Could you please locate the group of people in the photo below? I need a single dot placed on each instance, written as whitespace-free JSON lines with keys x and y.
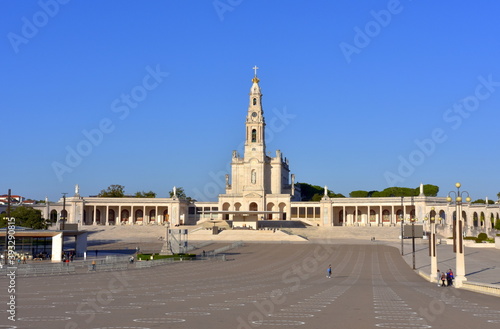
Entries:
{"x":446,"y":278}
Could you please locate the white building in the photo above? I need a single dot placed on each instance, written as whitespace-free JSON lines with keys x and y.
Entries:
{"x":261,"y":187}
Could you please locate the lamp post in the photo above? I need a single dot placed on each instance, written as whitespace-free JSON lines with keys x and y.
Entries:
{"x":6,"y":252}
{"x":458,"y":240}
{"x":401,"y":219}
{"x":63,"y":212}
{"x":412,"y":219}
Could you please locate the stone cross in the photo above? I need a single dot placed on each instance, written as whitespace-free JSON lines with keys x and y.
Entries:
{"x":255,"y":68}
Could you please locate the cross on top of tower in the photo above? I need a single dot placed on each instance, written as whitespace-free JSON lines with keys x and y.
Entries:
{"x":255,"y":79}
{"x":255,"y":68}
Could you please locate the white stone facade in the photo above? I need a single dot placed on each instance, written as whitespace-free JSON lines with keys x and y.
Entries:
{"x":261,"y":187}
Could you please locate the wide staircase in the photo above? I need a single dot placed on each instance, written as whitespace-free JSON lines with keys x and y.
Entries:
{"x":366,"y":233}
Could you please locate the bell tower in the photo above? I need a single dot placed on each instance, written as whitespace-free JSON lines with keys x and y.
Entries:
{"x":255,"y":145}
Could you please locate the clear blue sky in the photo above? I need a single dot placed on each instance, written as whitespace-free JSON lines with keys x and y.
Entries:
{"x":350,"y":87}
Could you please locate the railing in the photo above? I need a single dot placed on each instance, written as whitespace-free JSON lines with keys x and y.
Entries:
{"x":226,"y":248}
{"x":50,"y":269}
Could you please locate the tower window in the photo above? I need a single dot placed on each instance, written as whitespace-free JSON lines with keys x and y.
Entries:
{"x":255,"y":101}
{"x":254,"y":135}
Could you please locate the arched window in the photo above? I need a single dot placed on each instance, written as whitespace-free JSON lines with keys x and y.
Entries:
{"x":386,"y":216}
{"x":138,"y":215}
{"x":254,"y":135}
{"x":255,"y":101}
{"x":111,"y":216}
{"x":125,"y":215}
{"x":53,"y":216}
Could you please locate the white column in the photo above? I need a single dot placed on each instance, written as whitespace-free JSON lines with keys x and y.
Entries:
{"x":459,"y":243}
{"x":433,"y":251}
{"x":345,"y":216}
{"x":380,"y":217}
{"x":95,"y":216}
{"x":368,"y":219}
{"x":393,"y":219}
{"x":106,"y":219}
{"x":57,"y":246}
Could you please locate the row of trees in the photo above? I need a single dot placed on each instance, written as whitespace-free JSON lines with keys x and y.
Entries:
{"x":315,"y":193}
{"x":118,"y":191}
{"x":429,"y":190}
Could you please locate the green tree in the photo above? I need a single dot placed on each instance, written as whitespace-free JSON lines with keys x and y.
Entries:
{"x":498,"y":195}
{"x":315,"y":193}
{"x":317,"y":197}
{"x":181,"y":194}
{"x":26,"y":217}
{"x":395,"y":192}
{"x":430,"y":190}
{"x":358,"y":194}
{"x":143,"y":194}
{"x":113,"y":191}
{"x":482,"y":201}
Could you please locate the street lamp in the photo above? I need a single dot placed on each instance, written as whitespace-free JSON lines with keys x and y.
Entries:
{"x":458,"y":241}
{"x":412,"y":219}
{"x":6,"y":252}
{"x":63,"y":212}
{"x":401,"y":219}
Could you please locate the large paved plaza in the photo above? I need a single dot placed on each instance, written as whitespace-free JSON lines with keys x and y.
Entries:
{"x":259,"y":286}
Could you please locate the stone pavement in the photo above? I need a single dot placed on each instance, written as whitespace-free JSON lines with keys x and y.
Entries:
{"x":482,"y":264}
{"x":263,"y":286}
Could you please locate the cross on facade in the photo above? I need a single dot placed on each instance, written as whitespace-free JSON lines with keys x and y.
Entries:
{"x":255,"y":68}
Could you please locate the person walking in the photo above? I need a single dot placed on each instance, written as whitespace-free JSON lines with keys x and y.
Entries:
{"x":449,"y":277}
{"x":443,"y":279}
{"x":329,"y":271}
{"x":438,"y":277}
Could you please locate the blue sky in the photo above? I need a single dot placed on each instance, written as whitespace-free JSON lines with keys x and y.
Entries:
{"x":153,"y":94}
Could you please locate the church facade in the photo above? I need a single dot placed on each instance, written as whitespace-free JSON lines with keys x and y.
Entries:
{"x":261,"y":187}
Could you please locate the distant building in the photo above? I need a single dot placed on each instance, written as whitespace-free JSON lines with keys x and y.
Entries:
{"x":14,"y":199}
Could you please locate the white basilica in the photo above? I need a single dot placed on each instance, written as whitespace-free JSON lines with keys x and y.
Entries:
{"x":261,"y":188}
